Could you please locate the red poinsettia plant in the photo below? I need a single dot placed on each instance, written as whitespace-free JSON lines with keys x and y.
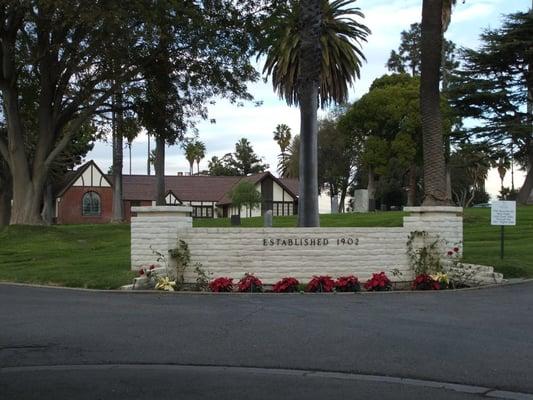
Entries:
{"x":250,"y":283}
{"x":378,"y":283}
{"x":146,"y":271}
{"x":221,"y":285}
{"x":347,"y":284}
{"x":425,"y":282}
{"x":321,"y":284}
{"x":286,"y":285}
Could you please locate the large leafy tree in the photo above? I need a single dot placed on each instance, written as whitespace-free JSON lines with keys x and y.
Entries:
{"x":63,"y":50}
{"x":385,"y":125}
{"x":56,"y":49}
{"x":493,"y":87}
{"x":307,"y":31}
{"x":435,"y":19}
{"x":337,"y":160}
{"x":469,"y":164}
{"x":244,"y":160}
{"x":407,"y":59}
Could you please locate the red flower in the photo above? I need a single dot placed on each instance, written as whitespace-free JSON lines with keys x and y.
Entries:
{"x":347,"y":284}
{"x":286,"y":285}
{"x":450,"y":253}
{"x":321,"y":284}
{"x":456,"y":249}
{"x":141,"y":272}
{"x":221,"y":285}
{"x":378,"y":282}
{"x":250,"y":283}
{"x":425,"y":282}
{"x":152,"y":267}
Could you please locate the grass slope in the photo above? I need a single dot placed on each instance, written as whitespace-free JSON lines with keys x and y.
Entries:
{"x":97,"y":256}
{"x":89,"y":256}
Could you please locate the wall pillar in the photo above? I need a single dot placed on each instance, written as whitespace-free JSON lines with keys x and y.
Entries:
{"x":445,"y":223}
{"x":156,"y":228}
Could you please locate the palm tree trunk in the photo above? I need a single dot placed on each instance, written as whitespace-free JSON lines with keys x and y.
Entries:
{"x":148,"y":156}
{"x":159,"y":167}
{"x":434,"y":166}
{"x":308,"y":84}
{"x":118,"y":158}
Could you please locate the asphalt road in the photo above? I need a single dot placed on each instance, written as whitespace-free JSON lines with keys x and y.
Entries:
{"x":65,"y":344}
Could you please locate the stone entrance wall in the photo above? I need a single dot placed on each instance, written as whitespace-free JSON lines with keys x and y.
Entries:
{"x":274,"y":253}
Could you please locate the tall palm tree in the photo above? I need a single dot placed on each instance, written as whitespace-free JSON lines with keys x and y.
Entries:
{"x":307,"y":31}
{"x":435,"y":19}
{"x":190,"y":155}
{"x":288,"y":167}
{"x":199,"y":154}
{"x":282,"y":135}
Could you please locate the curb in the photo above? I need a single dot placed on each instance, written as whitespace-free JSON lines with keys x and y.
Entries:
{"x":159,"y":292}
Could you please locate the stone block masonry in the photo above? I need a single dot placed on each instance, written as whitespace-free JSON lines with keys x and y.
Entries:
{"x":274,"y":253}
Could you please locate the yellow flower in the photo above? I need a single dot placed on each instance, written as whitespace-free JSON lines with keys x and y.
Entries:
{"x":165,"y":283}
{"x":440,"y":277}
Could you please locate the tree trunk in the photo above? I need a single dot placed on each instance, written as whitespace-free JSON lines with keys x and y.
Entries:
{"x":411,"y":192}
{"x":6,"y":190}
{"x":371,"y":188}
{"x":118,"y":158}
{"x":525,"y":193}
{"x":434,"y":165}
{"x":27,"y":202}
{"x":308,"y":84}
{"x":342,"y":200}
{"x":160,"y":170}
{"x":148,"y":158}
{"x":47,"y":213}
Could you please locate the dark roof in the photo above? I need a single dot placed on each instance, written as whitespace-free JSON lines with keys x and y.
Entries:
{"x":186,"y":188}
{"x":291,"y":184}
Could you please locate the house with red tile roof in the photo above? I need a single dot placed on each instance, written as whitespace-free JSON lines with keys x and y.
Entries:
{"x":86,"y":195}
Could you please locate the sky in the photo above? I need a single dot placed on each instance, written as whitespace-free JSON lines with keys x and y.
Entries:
{"x":386,"y":19}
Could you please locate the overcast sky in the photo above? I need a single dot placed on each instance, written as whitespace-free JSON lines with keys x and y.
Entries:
{"x":386,"y":19}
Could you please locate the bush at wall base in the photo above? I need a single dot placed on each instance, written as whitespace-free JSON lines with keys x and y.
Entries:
{"x":221,"y":284}
{"x":378,"y":283}
{"x":425,"y":282}
{"x":250,"y":283}
{"x":347,"y":284}
{"x":321,"y":284}
{"x":286,"y":285}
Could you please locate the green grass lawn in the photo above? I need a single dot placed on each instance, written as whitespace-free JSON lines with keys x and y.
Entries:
{"x":91,"y":256}
{"x":97,"y":256}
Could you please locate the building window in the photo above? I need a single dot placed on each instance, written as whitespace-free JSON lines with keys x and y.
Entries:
{"x":202,"y":212}
{"x":279,"y":208}
{"x":91,"y":205}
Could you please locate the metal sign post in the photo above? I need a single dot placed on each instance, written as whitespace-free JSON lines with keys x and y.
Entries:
{"x":503,"y":213}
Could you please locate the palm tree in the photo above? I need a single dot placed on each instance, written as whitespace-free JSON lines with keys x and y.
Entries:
{"x":199,"y":154}
{"x":282,"y":135}
{"x":190,"y":155}
{"x":435,"y":20}
{"x":307,"y":31}
{"x":288,"y":166}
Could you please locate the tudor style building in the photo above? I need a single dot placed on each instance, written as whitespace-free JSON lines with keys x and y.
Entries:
{"x":86,"y":195}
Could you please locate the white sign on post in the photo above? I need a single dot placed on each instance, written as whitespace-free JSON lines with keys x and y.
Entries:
{"x":503,"y":213}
